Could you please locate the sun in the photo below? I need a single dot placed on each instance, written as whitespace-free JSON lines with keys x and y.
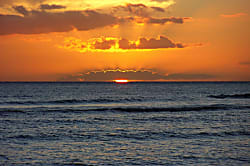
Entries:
{"x":121,"y":81}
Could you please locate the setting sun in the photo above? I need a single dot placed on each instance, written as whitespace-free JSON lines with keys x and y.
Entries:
{"x":121,"y":81}
{"x":115,"y":77}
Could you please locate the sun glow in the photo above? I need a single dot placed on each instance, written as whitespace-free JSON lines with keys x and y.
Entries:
{"x":121,"y":81}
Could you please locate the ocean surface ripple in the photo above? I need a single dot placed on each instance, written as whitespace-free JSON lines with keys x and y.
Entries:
{"x":130,"y":124}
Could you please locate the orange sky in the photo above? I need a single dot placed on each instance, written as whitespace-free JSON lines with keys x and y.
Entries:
{"x":147,"y":40}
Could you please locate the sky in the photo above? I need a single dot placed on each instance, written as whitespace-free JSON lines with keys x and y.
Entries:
{"x":138,"y":40}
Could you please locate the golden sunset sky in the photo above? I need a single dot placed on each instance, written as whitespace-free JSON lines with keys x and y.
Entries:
{"x":145,"y":40}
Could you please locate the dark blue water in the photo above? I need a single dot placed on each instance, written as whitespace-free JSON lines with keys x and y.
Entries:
{"x":125,"y":124}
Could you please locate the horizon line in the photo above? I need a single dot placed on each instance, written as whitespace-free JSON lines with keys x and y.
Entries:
{"x":186,"y":81}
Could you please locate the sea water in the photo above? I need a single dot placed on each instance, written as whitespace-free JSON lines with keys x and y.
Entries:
{"x":175,"y":123}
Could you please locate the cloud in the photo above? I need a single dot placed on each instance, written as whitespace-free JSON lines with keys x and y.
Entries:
{"x":85,"y":4}
{"x":151,"y":43}
{"x":106,"y":44}
{"x":136,"y":9}
{"x":152,"y":20}
{"x":247,"y":63}
{"x":39,"y":20}
{"x":177,"y":20}
{"x":110,"y":75}
{"x":139,"y":10}
{"x":120,"y":44}
{"x":159,"y":9}
{"x":125,"y":44}
{"x":136,"y":75}
{"x":35,"y":22}
{"x":74,"y":44}
{"x":21,"y":10}
{"x":50,"y":7}
{"x":13,"y":2}
{"x":233,"y":15}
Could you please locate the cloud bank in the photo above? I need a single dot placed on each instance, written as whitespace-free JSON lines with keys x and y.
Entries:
{"x":120,"y":44}
{"x":44,"y":19}
{"x":134,"y":75}
{"x":35,"y":22}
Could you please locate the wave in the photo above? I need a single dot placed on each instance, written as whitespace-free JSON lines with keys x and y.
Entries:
{"x":35,"y":137}
{"x":163,"y":134}
{"x":214,"y":107}
{"x":234,"y":96}
{"x":73,"y":101}
{"x":16,"y":96}
{"x":139,"y":135}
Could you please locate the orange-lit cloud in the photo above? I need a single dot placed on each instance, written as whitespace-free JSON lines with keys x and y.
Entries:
{"x":152,"y":43}
{"x":103,"y":45}
{"x":12,"y":2}
{"x":45,"y":39}
{"x":233,"y":15}
{"x":163,"y":42}
{"x":80,"y":5}
{"x":120,"y":44}
{"x":133,"y":75}
{"x":74,"y":44}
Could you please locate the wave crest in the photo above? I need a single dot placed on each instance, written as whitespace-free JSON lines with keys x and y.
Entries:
{"x":74,"y":101}
{"x":234,"y":96}
{"x":215,"y":107}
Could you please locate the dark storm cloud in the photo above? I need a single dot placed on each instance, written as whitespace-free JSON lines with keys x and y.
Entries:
{"x":35,"y":22}
{"x":145,"y":75}
{"x":151,"y":43}
{"x":51,"y":7}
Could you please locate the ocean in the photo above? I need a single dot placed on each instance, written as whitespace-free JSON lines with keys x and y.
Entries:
{"x":150,"y":123}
